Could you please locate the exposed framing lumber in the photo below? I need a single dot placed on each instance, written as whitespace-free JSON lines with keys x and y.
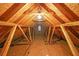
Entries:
{"x":8,"y":42}
{"x":22,"y":10}
{"x":59,"y":19}
{"x":4,"y":9}
{"x":53,"y":31}
{"x":2,"y":23}
{"x":30,"y":34}
{"x":69,"y":14}
{"x":66,"y":11}
{"x":14,"y":17}
{"x":66,"y":24}
{"x":48,"y":36}
{"x":11,"y":11}
{"x":76,"y":23}
{"x":47,"y":19}
{"x":24,"y":14}
{"x":23,"y":33}
{"x":74,"y":38}
{"x":51,"y":12}
{"x":69,"y":41}
{"x":24,"y":26}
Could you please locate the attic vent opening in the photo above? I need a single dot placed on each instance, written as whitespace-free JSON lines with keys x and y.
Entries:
{"x":39,"y":17}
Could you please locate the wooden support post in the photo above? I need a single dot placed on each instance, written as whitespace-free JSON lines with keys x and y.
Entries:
{"x":48,"y":37}
{"x":30,"y":34}
{"x":23,"y":33}
{"x":52,"y":35}
{"x":69,"y":41}
{"x":8,"y":42}
{"x":33,"y":34}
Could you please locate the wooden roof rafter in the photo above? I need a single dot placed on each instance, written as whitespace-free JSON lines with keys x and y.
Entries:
{"x":60,"y":20}
{"x":9,"y":22}
{"x":66,"y":11}
{"x":69,"y":14}
{"x":69,"y":41}
{"x":51,"y":12}
{"x":11,"y":11}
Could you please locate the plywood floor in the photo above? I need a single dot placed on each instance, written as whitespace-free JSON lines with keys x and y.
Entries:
{"x":39,"y":48}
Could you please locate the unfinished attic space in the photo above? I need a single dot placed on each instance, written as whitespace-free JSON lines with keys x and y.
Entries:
{"x":39,"y":29}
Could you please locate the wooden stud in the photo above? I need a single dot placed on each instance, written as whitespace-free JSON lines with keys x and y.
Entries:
{"x":8,"y":42}
{"x":30,"y":34}
{"x":69,"y":41}
{"x":52,"y":35}
{"x":23,"y":33}
{"x":48,"y":37}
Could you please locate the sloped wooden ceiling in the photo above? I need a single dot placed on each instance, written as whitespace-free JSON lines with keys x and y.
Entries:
{"x":54,"y":13}
{"x":73,"y":7}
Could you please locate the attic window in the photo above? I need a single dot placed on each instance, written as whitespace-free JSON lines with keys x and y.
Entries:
{"x":39,"y":28}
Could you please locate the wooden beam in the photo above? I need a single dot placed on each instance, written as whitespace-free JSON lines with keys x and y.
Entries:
{"x":47,"y":19}
{"x":16,"y":16}
{"x":69,"y":41}
{"x":74,"y":38}
{"x":23,"y":33}
{"x":73,"y":30}
{"x":8,"y":42}
{"x":17,"y":24}
{"x":6,"y":32}
{"x":30,"y":34}
{"x":48,"y":37}
{"x":53,"y":31}
{"x":75,"y":23}
{"x":11,"y":11}
{"x":66,"y":11}
{"x":25,"y":14}
{"x":4,"y":8}
{"x":51,"y":12}
{"x":2,"y":23}
{"x":47,"y":8}
{"x":58,"y":18}
{"x":69,"y":14}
